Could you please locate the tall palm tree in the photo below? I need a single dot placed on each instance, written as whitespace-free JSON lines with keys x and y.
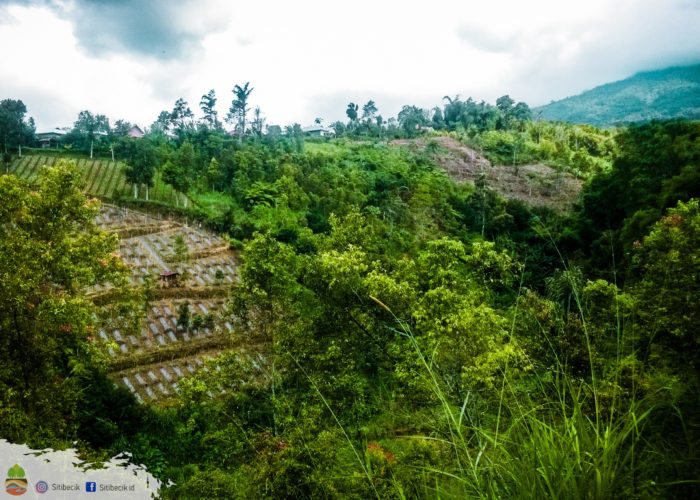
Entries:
{"x":239,"y":106}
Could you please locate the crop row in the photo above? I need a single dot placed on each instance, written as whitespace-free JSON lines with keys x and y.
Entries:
{"x":160,"y":381}
{"x":101,"y":177}
{"x":114,"y":218}
{"x":163,"y":327}
{"x":195,"y":240}
{"x":169,"y":330}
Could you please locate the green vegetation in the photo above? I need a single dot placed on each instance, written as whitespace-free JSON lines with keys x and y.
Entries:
{"x":580,"y":149}
{"x":413,"y":357}
{"x":97,"y":175}
{"x":101,"y":177}
{"x":662,"y":94}
{"x":395,"y":334}
{"x":53,"y":387}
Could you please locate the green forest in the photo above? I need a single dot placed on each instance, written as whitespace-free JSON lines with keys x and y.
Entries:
{"x":660,"y":94}
{"x":425,"y":335}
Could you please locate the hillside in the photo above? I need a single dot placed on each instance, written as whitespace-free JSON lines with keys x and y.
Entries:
{"x":534,"y":184}
{"x":150,"y":362}
{"x":667,"y":93}
{"x":380,"y":322}
{"x":102,"y":177}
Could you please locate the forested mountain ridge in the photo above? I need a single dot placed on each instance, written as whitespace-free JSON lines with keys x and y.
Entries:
{"x":667,"y":93}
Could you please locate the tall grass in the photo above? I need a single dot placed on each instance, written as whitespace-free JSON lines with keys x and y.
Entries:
{"x":553,"y":442}
{"x":554,"y":436}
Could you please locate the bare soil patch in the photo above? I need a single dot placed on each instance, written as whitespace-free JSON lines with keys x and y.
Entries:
{"x":535,"y":184}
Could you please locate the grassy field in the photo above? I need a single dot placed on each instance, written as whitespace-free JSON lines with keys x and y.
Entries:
{"x":327,"y":148}
{"x":213,"y":204}
{"x":102,"y":177}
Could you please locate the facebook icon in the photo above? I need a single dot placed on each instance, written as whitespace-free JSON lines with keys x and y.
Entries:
{"x":91,"y":487}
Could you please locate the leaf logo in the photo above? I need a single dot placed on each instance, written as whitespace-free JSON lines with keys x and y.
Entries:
{"x":16,"y":482}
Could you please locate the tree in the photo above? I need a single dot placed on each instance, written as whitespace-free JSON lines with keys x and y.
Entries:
{"x":162,"y":123}
{"x":274,"y":131}
{"x":184,"y":316}
{"x":668,"y":263}
{"x":351,"y":111}
{"x":453,"y":111}
{"x":171,"y":175}
{"x":179,"y":169}
{"x":521,"y":112}
{"x":207,"y":104}
{"x":505,"y":104}
{"x":339,"y":128}
{"x":368,"y":111}
{"x":268,"y":280}
{"x":52,"y":252}
{"x":258,"y":122}
{"x":181,"y":117}
{"x":619,"y":206}
{"x":119,"y":131}
{"x":239,"y":107}
{"x":141,"y":159}
{"x":438,"y":120}
{"x":296,"y":134}
{"x":411,"y":118}
{"x":15,"y":132}
{"x":121,"y":128}
{"x":89,"y":128}
{"x":213,"y":172}
{"x":182,"y":257}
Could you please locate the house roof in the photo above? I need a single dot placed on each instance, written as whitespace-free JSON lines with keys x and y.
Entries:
{"x":318,"y":128}
{"x":168,"y":274}
{"x":136,"y":131}
{"x":53,"y":131}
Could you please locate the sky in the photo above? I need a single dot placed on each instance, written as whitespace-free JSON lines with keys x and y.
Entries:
{"x":132,"y":59}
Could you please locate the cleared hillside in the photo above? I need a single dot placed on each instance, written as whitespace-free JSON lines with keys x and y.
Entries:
{"x":535,"y":184}
{"x":667,"y":93}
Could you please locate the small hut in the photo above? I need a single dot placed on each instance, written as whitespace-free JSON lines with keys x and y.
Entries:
{"x":169,"y":278}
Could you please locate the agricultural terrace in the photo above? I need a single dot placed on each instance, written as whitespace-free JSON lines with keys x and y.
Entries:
{"x":102,"y":177}
{"x":184,"y":323}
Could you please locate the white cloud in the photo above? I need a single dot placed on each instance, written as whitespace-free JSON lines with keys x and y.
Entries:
{"x":311,"y":58}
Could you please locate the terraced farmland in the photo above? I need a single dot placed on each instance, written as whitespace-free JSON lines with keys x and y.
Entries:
{"x":103,"y":178}
{"x":152,"y":361}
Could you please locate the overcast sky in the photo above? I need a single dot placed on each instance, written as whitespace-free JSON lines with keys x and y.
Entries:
{"x":132,"y":59}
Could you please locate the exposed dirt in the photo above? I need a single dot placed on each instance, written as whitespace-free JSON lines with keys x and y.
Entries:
{"x":536,"y":184}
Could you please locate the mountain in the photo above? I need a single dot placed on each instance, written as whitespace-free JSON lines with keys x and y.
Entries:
{"x":666,"y":93}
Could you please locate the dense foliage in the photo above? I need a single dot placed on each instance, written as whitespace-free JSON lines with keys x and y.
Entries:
{"x":429,"y":363}
{"x":53,"y":388}
{"x":424,"y":338}
{"x":15,"y":130}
